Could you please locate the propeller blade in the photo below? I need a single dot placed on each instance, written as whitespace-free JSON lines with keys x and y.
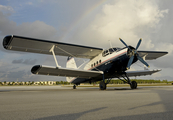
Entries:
{"x":141,"y":59}
{"x":139,"y":43}
{"x":125,"y":44}
{"x":130,"y":62}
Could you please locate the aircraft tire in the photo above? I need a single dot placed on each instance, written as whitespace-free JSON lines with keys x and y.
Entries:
{"x":133,"y":85}
{"x":102,"y":85}
{"x":74,"y":86}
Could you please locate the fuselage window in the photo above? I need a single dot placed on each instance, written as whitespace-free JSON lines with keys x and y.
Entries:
{"x":100,"y":61}
{"x":94,"y":64}
{"x":97,"y":62}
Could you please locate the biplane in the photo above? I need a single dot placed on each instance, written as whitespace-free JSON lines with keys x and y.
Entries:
{"x":103,"y":65}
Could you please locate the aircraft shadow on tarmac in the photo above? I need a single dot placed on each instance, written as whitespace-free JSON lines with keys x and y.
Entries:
{"x":122,"y":89}
{"x":114,"y":89}
{"x":78,"y":89}
{"x":165,"y":97}
{"x":153,"y":116}
{"x":75,"y":116}
{"x":72,"y":116}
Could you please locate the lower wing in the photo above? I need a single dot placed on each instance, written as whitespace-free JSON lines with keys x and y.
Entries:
{"x":66,"y":72}
{"x":87,"y":74}
{"x":141,"y":73}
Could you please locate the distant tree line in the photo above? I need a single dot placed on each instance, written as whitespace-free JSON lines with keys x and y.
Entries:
{"x":139,"y":81}
{"x":36,"y":83}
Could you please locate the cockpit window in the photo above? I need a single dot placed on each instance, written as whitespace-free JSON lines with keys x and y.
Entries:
{"x":118,"y":49}
{"x":115,"y":49}
{"x":105,"y":53}
{"x":110,"y":51}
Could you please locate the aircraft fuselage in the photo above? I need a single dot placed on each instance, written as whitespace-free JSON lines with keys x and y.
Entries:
{"x":110,"y":61}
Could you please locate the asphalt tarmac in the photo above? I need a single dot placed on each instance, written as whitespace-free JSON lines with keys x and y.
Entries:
{"x":85,"y":103}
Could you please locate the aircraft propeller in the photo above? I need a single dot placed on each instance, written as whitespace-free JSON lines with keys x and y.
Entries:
{"x":133,"y":53}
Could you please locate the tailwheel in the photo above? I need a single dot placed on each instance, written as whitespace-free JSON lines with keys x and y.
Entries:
{"x":74,"y":86}
{"x":102,"y":85}
{"x":133,"y":85}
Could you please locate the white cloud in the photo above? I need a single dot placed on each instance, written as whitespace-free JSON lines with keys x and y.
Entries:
{"x":166,"y":61}
{"x":36,"y":29}
{"x":29,"y":3}
{"x":6,"y":8}
{"x":164,"y":46}
{"x":129,"y":20}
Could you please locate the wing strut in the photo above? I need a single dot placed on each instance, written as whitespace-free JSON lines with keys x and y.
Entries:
{"x":52,"y":50}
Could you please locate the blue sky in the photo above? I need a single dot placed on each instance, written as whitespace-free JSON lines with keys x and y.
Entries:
{"x":91,"y":23}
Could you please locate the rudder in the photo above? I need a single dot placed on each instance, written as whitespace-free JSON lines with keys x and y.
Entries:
{"x":70,"y":64}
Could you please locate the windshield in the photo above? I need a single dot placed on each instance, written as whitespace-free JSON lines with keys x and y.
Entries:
{"x":110,"y":51}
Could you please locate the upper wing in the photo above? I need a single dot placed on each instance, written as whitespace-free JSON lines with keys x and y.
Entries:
{"x":150,"y":55}
{"x":25,"y":44}
{"x":66,"y":72}
{"x":140,"y":73}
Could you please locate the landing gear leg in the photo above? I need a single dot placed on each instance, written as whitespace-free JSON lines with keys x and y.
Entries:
{"x":103,"y":84}
{"x":132,"y":84}
{"x":74,"y":86}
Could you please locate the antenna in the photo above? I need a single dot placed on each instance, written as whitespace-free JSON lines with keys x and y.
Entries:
{"x":111,"y":45}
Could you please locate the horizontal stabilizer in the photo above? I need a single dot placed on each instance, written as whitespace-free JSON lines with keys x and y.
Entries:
{"x":66,"y":72}
{"x":141,"y":73}
{"x":24,"y":44}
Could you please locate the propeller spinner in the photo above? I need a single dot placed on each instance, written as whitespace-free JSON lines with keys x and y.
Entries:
{"x":134,"y":53}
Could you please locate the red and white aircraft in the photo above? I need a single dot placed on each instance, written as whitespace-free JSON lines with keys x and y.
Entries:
{"x":103,"y":64}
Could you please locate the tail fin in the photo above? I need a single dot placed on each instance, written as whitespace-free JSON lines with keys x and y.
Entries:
{"x":70,"y":64}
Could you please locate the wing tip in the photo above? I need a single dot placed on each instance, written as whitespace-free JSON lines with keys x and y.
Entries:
{"x":35,"y":69}
{"x":7,"y":40}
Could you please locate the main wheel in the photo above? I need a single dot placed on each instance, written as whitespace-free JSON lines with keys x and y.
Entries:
{"x":102,"y":85}
{"x":133,"y":85}
{"x":74,"y":86}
